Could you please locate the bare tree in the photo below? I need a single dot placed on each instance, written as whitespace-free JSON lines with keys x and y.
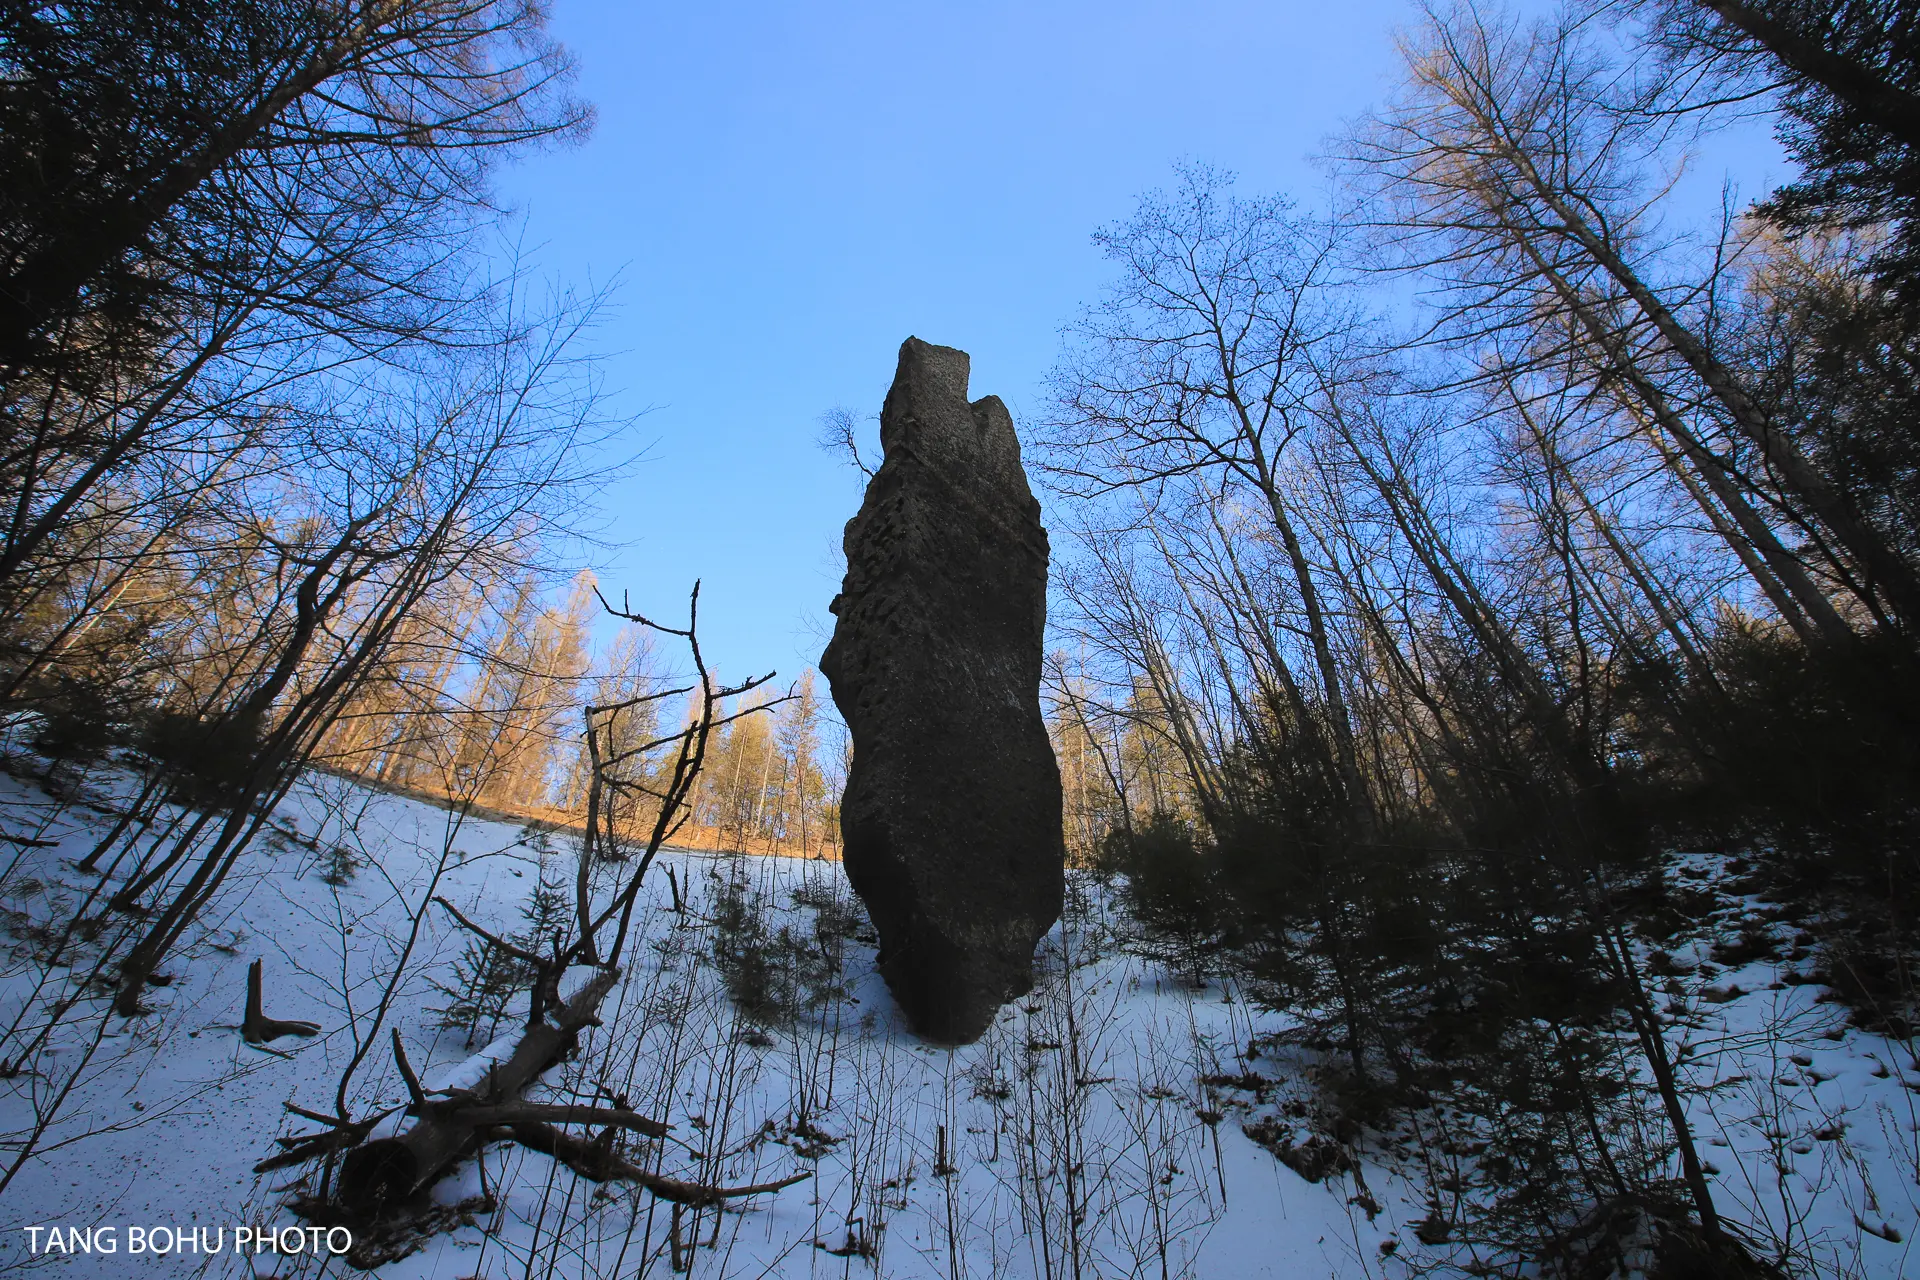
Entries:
{"x":1516,"y":155}
{"x":1202,"y":369}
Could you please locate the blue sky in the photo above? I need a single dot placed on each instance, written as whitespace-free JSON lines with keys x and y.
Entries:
{"x":785,"y":192}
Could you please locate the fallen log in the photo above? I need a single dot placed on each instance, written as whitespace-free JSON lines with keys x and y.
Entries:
{"x":381,"y":1180}
{"x":391,"y":1170}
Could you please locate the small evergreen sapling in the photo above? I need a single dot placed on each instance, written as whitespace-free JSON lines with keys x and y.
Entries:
{"x":337,"y":866}
{"x":487,"y":980}
{"x":747,"y":954}
{"x":773,"y":975}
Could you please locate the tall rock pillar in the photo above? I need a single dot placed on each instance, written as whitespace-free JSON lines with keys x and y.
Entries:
{"x":951,"y":818}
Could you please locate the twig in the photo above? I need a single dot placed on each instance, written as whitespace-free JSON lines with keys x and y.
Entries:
{"x":414,"y":1091}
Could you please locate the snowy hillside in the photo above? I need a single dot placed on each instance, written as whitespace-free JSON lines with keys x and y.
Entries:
{"x":1106,"y":1125}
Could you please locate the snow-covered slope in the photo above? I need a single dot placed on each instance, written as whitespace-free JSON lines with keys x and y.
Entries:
{"x":1099,"y":1129}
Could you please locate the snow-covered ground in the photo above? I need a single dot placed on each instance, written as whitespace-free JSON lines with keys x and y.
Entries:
{"x":1096,"y":1130}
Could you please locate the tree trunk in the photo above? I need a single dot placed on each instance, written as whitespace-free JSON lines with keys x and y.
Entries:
{"x":1887,"y":106}
{"x":1810,"y":604}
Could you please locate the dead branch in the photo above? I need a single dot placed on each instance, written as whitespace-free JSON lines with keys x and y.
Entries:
{"x":518,"y":953}
{"x":339,"y":1136}
{"x":533,"y":1112}
{"x":599,"y":1164}
{"x":414,"y":1092}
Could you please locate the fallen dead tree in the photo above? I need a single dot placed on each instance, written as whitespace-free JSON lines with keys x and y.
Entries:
{"x":385,"y":1179}
{"x":389,"y":1171}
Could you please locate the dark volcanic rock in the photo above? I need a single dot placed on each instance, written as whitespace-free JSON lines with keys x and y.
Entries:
{"x":951,"y":818}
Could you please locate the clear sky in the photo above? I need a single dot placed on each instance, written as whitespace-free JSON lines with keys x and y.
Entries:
{"x":786,"y":191}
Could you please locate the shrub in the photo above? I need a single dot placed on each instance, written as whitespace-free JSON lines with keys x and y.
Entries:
{"x":1171,"y":887}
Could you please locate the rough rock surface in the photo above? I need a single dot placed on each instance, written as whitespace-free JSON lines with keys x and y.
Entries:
{"x":951,"y":818}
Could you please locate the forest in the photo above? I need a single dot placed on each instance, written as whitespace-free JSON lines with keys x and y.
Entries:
{"x":1485,"y":610}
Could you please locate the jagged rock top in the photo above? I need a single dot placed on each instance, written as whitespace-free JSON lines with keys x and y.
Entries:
{"x":927,"y":414}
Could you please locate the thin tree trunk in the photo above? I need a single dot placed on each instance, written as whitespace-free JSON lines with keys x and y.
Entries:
{"x":1782,"y":564}
{"x":1884,"y":567}
{"x":1885,"y":105}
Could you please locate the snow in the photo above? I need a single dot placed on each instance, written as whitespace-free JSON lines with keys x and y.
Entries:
{"x":1079,"y":1139}
{"x":1812,"y":1128}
